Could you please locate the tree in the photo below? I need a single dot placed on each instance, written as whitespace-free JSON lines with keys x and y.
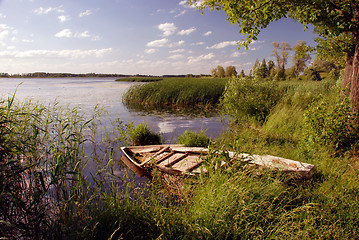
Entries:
{"x":280,"y":52}
{"x":275,"y":52}
{"x":284,"y":49}
{"x":242,"y":74}
{"x":332,"y":18}
{"x":262,"y":71}
{"x":214,"y":72}
{"x":270,"y":65}
{"x":301,"y":57}
{"x":231,"y":71}
{"x":255,"y":67}
{"x":220,"y":72}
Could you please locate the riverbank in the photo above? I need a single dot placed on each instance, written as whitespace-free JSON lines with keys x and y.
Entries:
{"x":224,"y":204}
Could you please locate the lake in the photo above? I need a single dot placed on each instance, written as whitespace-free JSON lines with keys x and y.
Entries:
{"x":86,"y":93}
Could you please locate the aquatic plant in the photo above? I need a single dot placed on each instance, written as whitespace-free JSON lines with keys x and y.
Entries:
{"x":193,"y":139}
{"x":143,"y":135}
{"x":176,"y":92}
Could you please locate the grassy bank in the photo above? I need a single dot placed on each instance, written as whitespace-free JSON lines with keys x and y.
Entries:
{"x":304,"y":122}
{"x":176,"y":92}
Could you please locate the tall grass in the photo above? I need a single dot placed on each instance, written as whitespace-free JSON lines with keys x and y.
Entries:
{"x":48,"y":196}
{"x":176,"y":92}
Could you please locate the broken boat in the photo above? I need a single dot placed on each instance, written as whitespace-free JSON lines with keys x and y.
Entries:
{"x":177,"y":159}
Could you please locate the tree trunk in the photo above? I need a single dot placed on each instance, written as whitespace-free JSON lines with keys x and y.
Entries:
{"x":351,"y":76}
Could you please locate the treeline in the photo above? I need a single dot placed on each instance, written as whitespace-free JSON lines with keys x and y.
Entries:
{"x":302,"y":68}
{"x":58,"y":75}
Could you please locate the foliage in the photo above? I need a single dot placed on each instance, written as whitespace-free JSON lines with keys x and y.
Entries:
{"x":193,"y":139}
{"x":312,"y":74}
{"x":218,"y":72}
{"x":252,"y":16}
{"x":262,"y":71}
{"x":142,"y":135}
{"x":230,"y":71}
{"x":331,"y":124}
{"x":301,"y":56}
{"x":244,"y":98}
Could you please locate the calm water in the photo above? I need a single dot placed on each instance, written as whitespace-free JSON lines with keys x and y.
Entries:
{"x":86,"y":93}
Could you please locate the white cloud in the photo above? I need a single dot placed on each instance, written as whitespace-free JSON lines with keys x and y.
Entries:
{"x":158,"y":43}
{"x":63,"y":18}
{"x":201,"y":58}
{"x":197,"y":43}
{"x":238,"y":54}
{"x":181,"y":13}
{"x":6,"y":31}
{"x":85,"y":13}
{"x":84,"y":34}
{"x":151,"y":50}
{"x":66,"y":33}
{"x":167,"y":28}
{"x":194,"y":5}
{"x":2,"y":15}
{"x":44,"y":11}
{"x":68,"y":53}
{"x":178,"y":50}
{"x":176,"y":56}
{"x":187,"y":31}
{"x":176,"y":44}
{"x":223,"y":44}
{"x":207,"y":33}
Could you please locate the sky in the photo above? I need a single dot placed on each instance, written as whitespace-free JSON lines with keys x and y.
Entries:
{"x":150,"y":37}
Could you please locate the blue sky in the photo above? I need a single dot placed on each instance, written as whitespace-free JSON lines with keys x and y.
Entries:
{"x":153,"y":37}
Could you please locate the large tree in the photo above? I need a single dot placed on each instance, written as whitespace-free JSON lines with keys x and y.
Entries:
{"x":333,"y":18}
{"x":301,"y":56}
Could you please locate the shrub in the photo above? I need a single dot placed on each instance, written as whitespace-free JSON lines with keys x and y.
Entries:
{"x":142,"y":135}
{"x":249,"y":99}
{"x":193,"y":139}
{"x":331,"y":124}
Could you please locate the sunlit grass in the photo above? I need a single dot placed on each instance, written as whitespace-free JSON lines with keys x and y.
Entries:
{"x":176,"y":92}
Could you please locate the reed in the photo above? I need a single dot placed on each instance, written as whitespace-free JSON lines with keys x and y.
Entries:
{"x":176,"y":92}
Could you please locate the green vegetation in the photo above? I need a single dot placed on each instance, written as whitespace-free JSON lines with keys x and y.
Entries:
{"x":176,"y":92}
{"x":139,"y":79}
{"x":194,"y":139}
{"x":142,"y":135}
{"x":45,"y":194}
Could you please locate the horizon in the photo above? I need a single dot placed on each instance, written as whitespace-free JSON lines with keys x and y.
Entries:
{"x":146,"y":38}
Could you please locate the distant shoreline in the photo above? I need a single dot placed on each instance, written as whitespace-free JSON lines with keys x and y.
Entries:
{"x":84,"y":75}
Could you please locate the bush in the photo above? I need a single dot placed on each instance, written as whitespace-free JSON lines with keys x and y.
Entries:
{"x":331,"y":124}
{"x":142,"y":135}
{"x":249,"y":99}
{"x":193,"y":139}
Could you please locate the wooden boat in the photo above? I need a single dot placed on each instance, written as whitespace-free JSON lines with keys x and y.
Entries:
{"x":177,"y":159}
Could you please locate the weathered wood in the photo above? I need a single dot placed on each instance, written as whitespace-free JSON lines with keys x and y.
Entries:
{"x":174,"y":159}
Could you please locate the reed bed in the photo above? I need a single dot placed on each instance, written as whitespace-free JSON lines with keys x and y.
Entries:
{"x":176,"y":92}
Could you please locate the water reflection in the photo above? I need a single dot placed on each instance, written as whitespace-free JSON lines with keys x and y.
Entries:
{"x":87,"y":93}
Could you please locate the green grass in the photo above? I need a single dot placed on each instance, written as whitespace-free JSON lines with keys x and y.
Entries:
{"x":42,"y":146}
{"x":176,"y":92}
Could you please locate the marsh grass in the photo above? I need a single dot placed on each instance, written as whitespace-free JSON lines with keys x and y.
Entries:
{"x":44,"y":193}
{"x":202,"y":93}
